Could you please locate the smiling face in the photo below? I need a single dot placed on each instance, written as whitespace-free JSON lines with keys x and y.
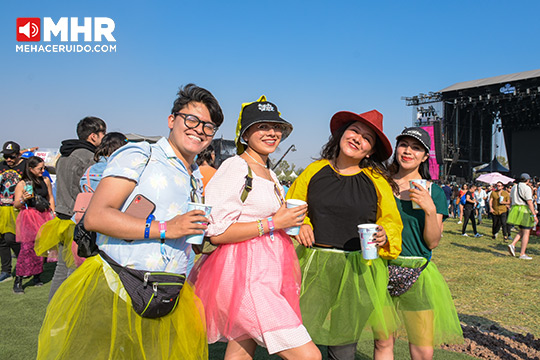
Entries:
{"x":357,"y":142}
{"x":263,"y":137}
{"x":187,"y":143}
{"x":410,"y":153}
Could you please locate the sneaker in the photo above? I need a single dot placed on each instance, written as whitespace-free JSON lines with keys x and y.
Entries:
{"x":4,"y":276}
{"x":512,"y":250}
{"x":459,"y":222}
{"x":525,"y":257}
{"x":478,"y":235}
{"x":464,"y":235}
{"x":17,"y":286}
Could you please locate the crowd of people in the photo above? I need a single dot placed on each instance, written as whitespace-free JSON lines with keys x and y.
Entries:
{"x":145,"y":294}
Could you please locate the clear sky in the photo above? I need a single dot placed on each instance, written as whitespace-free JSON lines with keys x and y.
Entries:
{"x":312,"y":59}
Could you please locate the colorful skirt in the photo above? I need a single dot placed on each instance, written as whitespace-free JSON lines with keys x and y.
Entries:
{"x":250,"y":291}
{"x":344,"y":298}
{"x":91,"y":317}
{"x":427,"y":309}
{"x":8,"y":217}
{"x":52,"y":233}
{"x":520,"y":215}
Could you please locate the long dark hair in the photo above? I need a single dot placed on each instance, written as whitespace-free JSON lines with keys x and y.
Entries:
{"x":32,"y":162}
{"x":375,"y":161}
{"x":109,"y":144}
{"x":423,"y":169}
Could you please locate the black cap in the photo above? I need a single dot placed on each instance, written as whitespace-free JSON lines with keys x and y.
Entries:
{"x":419,"y":134}
{"x":262,"y":111}
{"x":11,"y":147}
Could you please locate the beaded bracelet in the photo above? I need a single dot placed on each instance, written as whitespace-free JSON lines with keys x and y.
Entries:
{"x":260,"y":227}
{"x":271,"y":227}
{"x":149,"y":220}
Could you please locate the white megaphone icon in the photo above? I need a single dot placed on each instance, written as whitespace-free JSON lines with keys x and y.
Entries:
{"x":25,"y":29}
{"x":30,"y":29}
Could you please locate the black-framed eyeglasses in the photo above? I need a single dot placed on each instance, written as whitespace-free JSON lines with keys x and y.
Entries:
{"x":192,"y":121}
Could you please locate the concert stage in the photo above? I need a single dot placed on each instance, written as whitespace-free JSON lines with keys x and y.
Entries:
{"x":465,"y":115}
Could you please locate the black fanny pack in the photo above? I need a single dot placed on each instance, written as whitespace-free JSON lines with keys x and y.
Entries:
{"x":153,"y":294}
{"x":401,"y":278}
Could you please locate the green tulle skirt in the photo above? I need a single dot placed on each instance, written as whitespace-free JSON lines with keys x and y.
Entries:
{"x":427,"y":310}
{"x":343,"y":297}
{"x":91,"y":317}
{"x":520,"y":215}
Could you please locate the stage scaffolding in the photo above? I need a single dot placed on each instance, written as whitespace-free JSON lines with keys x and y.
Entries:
{"x":470,"y":112}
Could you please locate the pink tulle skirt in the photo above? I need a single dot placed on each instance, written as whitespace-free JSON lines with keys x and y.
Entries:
{"x":28,"y":223}
{"x":251,"y":290}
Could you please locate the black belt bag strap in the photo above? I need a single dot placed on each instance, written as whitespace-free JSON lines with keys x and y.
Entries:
{"x":153,"y":294}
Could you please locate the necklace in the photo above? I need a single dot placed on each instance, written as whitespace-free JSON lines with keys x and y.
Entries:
{"x":252,"y":158}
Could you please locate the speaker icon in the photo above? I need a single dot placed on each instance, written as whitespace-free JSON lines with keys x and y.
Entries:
{"x":28,"y":29}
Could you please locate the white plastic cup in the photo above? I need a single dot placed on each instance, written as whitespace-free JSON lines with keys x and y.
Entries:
{"x":367,"y":236}
{"x":416,"y":184}
{"x":501,"y":199}
{"x":292,"y":203}
{"x":197,"y":239}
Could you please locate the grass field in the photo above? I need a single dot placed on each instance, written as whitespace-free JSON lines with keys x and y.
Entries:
{"x":489,"y":287}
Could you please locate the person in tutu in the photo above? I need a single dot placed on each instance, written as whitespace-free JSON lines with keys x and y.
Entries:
{"x":343,"y":295}
{"x":249,"y":286}
{"x":31,"y":196}
{"x":522,"y":214}
{"x":92,"y":315}
{"x":426,"y":309}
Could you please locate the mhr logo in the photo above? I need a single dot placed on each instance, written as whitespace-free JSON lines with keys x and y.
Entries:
{"x":30,"y":29}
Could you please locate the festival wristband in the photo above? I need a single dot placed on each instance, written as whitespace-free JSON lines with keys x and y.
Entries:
{"x":162,"y":230}
{"x":271,"y":227}
{"x":149,"y":220}
{"x":260,"y":227}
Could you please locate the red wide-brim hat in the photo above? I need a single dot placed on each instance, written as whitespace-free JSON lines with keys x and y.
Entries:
{"x":372,"y":118}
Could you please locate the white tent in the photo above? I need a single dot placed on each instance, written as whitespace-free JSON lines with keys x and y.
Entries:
{"x":293,"y":175}
{"x":281,"y":175}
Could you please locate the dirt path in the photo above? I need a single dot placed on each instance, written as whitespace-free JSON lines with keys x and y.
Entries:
{"x":494,"y":344}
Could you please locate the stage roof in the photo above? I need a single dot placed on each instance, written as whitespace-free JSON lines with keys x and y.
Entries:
{"x":493,"y":80}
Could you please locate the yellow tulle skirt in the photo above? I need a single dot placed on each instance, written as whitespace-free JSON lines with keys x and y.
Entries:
{"x":8,"y":217}
{"x":91,"y":317}
{"x":52,"y":233}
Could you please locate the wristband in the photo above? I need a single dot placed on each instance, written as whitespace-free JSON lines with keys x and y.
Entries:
{"x":149,"y":220}
{"x":271,"y":227}
{"x":260,"y":227}
{"x":162,"y":230}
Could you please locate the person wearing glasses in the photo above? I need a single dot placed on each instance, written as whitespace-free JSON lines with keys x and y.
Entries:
{"x":249,"y":286}
{"x":499,"y":199}
{"x":91,"y":315}
{"x":11,"y":172}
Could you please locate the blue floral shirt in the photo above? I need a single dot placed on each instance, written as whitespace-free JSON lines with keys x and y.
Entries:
{"x":164,"y":180}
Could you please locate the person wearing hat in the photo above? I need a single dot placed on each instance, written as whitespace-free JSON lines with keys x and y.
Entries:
{"x":249,"y":285}
{"x":426,"y":309}
{"x":11,"y":172}
{"x":343,"y":294}
{"x":522,"y":214}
